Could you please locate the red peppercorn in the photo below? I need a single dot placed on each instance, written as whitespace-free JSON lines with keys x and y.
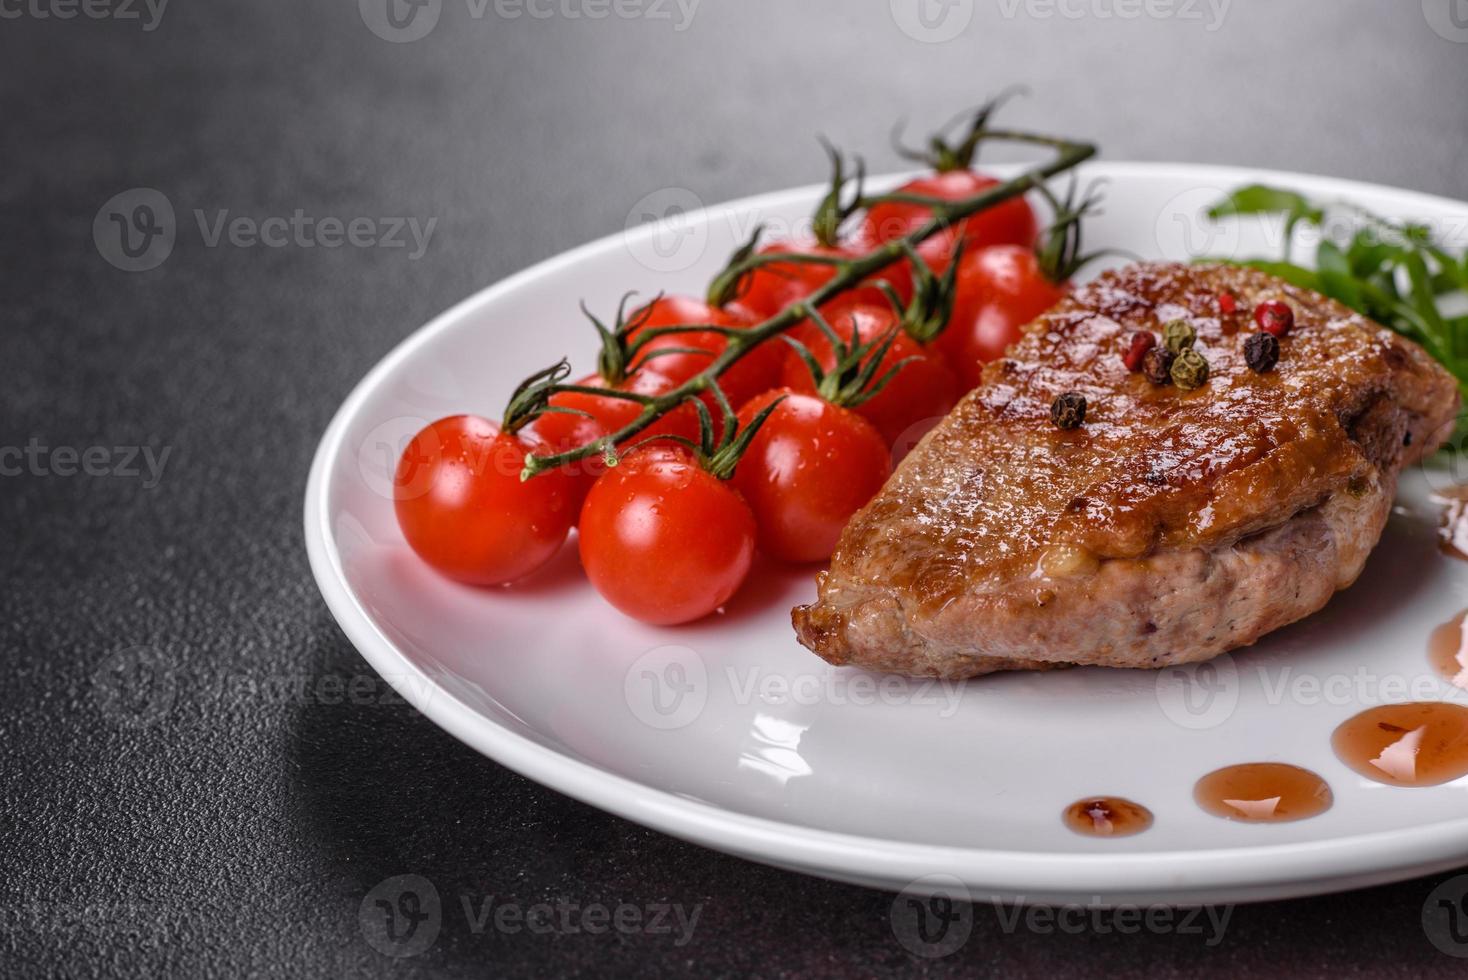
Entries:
{"x":1142,"y":341}
{"x":1274,"y":316}
{"x":1227,"y":303}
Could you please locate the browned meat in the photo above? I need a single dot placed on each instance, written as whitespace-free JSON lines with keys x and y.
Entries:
{"x":1171,"y":526}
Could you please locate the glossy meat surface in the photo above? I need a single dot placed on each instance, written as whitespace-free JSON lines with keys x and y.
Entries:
{"x":998,"y":509}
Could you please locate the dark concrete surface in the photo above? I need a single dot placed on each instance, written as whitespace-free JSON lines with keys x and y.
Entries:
{"x":229,"y":814}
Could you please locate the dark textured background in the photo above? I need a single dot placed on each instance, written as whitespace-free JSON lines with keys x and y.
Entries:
{"x":236,"y":828}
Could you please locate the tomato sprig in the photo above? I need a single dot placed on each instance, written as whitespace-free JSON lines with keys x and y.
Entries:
{"x":850,"y":272}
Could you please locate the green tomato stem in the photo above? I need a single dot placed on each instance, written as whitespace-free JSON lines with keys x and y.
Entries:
{"x":1069,"y":154}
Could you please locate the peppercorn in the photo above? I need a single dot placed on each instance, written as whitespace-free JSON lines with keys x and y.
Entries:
{"x":1142,"y":341}
{"x":1189,"y":370}
{"x":1157,"y":365}
{"x":1179,"y":335}
{"x":1261,"y":352}
{"x":1274,"y":316}
{"x":1227,"y":303}
{"x":1068,"y":411}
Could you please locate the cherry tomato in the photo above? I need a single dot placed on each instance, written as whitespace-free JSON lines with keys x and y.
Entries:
{"x":913,"y":400}
{"x":807,"y":470}
{"x":754,"y":372}
{"x":464,"y":509}
{"x":998,"y":291}
{"x":664,"y":540}
{"x":561,"y":431}
{"x":775,"y":286}
{"x":1012,"y":222}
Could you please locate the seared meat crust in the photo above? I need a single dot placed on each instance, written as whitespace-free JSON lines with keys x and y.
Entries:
{"x":1169,"y":528}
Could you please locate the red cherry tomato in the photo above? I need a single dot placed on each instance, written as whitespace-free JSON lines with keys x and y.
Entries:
{"x":775,"y":286}
{"x":807,"y":470}
{"x":664,"y":540}
{"x":464,"y":509}
{"x":998,"y":291}
{"x":561,"y":431}
{"x":1012,"y":222}
{"x":754,"y":372}
{"x":920,"y":394}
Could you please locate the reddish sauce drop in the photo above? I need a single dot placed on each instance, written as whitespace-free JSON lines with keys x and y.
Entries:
{"x":1447,"y":648}
{"x":1420,"y":743}
{"x":1452,"y":533}
{"x":1263,"y":792}
{"x":1107,"y":816}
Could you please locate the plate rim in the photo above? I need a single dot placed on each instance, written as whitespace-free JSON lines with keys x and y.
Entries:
{"x":1241,"y":873}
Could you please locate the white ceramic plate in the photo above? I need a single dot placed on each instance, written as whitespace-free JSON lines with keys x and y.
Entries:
{"x":728,"y":733}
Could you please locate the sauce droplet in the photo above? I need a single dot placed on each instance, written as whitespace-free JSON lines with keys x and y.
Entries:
{"x":1447,"y":648}
{"x":1107,"y":816}
{"x":1452,"y":533}
{"x":1421,"y":743}
{"x":1263,"y":792}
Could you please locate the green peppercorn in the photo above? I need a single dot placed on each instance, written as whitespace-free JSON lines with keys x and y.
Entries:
{"x":1157,"y":365}
{"x":1179,"y":335}
{"x":1189,"y":370}
{"x":1261,"y":352}
{"x":1068,"y":411}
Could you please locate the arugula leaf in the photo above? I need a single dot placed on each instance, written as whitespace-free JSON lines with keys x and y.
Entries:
{"x":1259,"y":199}
{"x":1336,"y":278}
{"x":1393,"y":272}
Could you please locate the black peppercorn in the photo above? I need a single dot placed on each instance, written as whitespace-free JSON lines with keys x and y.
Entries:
{"x":1068,"y":411}
{"x":1157,"y":365}
{"x":1261,"y":352}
